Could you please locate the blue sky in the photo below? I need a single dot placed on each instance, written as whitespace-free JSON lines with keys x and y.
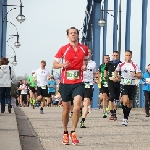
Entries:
{"x":44,"y":30}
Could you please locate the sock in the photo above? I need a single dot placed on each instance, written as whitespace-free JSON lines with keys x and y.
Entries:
{"x":72,"y":131}
{"x":80,"y":110}
{"x":83,"y":119}
{"x":65,"y":132}
{"x":125,"y":111}
{"x":114,"y":113}
{"x":128,"y":112}
{"x":41,"y":108}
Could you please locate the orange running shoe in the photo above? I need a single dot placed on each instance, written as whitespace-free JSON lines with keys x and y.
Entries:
{"x":65,"y":139}
{"x":74,"y":139}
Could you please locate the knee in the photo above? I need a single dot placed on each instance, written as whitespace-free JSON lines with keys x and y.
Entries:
{"x":76,"y":109}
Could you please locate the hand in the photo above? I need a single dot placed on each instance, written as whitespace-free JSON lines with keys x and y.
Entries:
{"x":66,"y":64}
{"x":84,"y":67}
{"x":133,"y":74}
{"x":118,"y":77}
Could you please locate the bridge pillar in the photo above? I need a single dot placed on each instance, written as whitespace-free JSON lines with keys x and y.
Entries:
{"x":143,"y":47}
{"x":96,"y":45}
{"x":128,"y":15}
{"x":115,"y":25}
{"x":105,"y":28}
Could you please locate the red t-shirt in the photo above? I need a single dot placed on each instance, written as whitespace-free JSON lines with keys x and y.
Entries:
{"x":73,"y":73}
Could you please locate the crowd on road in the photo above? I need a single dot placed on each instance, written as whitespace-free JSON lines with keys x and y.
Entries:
{"x":74,"y":91}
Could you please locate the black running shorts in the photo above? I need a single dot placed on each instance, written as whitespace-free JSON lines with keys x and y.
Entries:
{"x":88,"y":93}
{"x":104,"y":90}
{"x":114,"y":91}
{"x":129,"y":90}
{"x":69,"y":91}
{"x":42,"y":92}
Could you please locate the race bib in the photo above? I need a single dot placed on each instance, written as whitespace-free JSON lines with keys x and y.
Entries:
{"x":105,"y":84}
{"x":73,"y":74}
{"x":43,"y":87}
{"x":87,"y":85}
{"x":127,"y":81}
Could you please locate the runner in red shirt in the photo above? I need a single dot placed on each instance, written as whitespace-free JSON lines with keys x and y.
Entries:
{"x":75,"y":59}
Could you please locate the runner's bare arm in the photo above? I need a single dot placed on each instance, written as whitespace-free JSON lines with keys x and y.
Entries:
{"x":138,"y":75}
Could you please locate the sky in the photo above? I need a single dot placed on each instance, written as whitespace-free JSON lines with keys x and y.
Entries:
{"x":44,"y":30}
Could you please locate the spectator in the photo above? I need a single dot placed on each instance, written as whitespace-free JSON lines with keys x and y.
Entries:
{"x":6,"y":75}
{"x":146,"y":88}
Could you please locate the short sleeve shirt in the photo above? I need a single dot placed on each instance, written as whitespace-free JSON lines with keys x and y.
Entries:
{"x":127,"y":69}
{"x":41,"y":77}
{"x":88,"y":74}
{"x":32,"y":83}
{"x":75,"y":58}
{"x":101,"y":70}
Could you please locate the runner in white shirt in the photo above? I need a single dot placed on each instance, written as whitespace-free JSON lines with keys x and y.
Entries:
{"x":88,"y":77}
{"x":129,"y":72}
{"x":41,"y":75}
{"x":23,"y":96}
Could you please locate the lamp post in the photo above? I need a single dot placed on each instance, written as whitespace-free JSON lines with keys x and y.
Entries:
{"x":16,"y":44}
{"x":20,"y":18}
{"x":15,"y":61}
{"x":102,"y":22}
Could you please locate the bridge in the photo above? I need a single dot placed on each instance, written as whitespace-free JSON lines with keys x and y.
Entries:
{"x":94,"y":23}
{"x":95,"y":18}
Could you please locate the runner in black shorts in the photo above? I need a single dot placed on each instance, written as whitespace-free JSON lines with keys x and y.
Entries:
{"x":113,"y":84}
{"x":41,"y":75}
{"x":75,"y":57}
{"x":129,"y":72}
{"x":104,"y":85}
{"x":88,"y":77}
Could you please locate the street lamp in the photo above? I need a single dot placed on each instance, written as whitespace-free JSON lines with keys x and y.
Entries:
{"x":101,"y":22}
{"x":20,"y":18}
{"x":17,"y":44}
{"x":15,"y":61}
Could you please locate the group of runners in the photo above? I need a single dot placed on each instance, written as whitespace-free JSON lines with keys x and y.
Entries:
{"x":116,"y":80}
{"x":28,"y":91}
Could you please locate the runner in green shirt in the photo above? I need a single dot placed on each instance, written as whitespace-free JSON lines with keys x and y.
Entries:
{"x":32,"y":88}
{"x":104,"y":85}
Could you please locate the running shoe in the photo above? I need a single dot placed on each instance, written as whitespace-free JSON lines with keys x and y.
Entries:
{"x":74,"y":139}
{"x":104,"y":115}
{"x":124,"y":122}
{"x":65,"y":139}
{"x":82,"y":124}
{"x":111,"y":117}
{"x":41,"y":111}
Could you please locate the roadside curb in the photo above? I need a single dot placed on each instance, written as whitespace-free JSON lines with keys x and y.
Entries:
{"x":28,"y":137}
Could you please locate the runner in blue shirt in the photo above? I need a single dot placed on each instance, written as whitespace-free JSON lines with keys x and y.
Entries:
{"x":51,"y":88}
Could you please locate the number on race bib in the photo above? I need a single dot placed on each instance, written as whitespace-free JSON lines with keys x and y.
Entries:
{"x":73,"y":75}
{"x":105,"y":84}
{"x":127,"y":81}
{"x":43,"y":87}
